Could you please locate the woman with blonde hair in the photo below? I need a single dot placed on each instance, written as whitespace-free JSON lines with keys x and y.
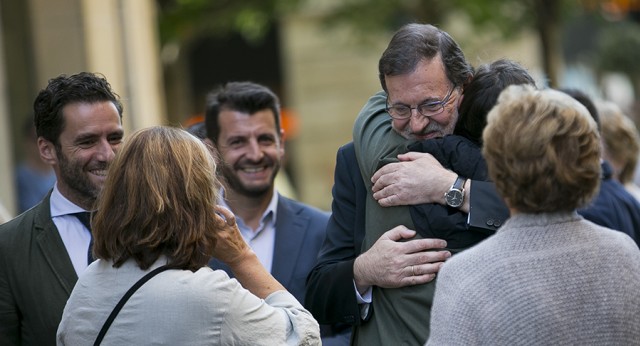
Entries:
{"x":621,"y":144}
{"x":157,"y":215}
{"x":548,"y":276}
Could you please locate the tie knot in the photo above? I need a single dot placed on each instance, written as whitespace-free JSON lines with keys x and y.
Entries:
{"x":85,"y":218}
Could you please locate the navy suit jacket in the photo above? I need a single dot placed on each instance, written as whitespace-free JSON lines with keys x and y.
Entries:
{"x":300,"y":232}
{"x":614,"y":207}
{"x":36,"y":278}
{"x":331,"y":295}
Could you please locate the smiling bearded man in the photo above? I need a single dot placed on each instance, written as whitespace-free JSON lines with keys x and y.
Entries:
{"x":250,"y":148}
{"x":243,"y":124}
{"x":78,"y":122}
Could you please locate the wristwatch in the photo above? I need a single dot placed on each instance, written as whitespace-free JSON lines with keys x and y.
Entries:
{"x":455,"y":196}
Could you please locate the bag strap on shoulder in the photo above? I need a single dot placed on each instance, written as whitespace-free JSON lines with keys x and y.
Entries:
{"x":123,"y":301}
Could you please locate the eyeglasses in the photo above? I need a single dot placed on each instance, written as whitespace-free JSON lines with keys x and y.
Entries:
{"x":427,"y":109}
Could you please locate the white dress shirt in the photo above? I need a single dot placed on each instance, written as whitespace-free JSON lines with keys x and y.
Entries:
{"x":75,"y":236}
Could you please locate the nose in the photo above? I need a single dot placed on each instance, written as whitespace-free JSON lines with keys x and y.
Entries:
{"x":254,"y":151}
{"x":418,"y":122}
{"x":106,"y":151}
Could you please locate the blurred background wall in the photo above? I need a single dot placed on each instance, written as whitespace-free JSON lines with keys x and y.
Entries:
{"x":44,"y":38}
{"x":320,"y":57}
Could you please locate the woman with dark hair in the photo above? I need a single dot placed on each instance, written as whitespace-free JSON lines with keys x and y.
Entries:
{"x":158,"y":209}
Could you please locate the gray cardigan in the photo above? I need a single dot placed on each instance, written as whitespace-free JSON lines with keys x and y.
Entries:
{"x":546,"y":279}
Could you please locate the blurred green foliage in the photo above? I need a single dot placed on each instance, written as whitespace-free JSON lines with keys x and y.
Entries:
{"x":184,"y":20}
{"x":181,"y":19}
{"x":618,"y":46}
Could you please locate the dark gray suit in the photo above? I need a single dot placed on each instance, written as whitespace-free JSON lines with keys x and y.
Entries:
{"x":36,"y":278}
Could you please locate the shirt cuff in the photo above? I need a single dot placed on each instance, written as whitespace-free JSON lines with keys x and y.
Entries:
{"x":364,"y":301}
{"x":366,"y":297}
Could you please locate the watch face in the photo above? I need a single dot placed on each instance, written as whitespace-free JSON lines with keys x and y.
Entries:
{"x":454,"y":198}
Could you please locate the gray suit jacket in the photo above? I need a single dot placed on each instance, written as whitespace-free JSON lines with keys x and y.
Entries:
{"x":36,"y":278}
{"x":300,"y":232}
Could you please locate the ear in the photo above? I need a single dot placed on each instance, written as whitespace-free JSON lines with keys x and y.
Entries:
{"x":47,"y":151}
{"x":460,"y":98}
{"x":282,"y":135}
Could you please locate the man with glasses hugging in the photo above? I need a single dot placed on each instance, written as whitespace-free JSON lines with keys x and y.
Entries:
{"x":373,"y":263}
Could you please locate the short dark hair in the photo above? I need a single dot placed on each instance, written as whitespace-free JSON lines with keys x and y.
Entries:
{"x":246,"y":97}
{"x":63,"y":90}
{"x":198,"y":130}
{"x":585,"y":100}
{"x":481,"y":94}
{"x":416,"y":42}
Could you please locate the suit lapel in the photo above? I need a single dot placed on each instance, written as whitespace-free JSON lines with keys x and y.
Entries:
{"x":53,"y":249}
{"x":291,"y":229}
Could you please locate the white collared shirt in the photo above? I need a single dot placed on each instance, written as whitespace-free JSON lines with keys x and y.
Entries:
{"x":75,"y":236}
{"x":263,"y":239}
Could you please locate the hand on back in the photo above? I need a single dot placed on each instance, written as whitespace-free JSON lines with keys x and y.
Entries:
{"x":392,"y":262}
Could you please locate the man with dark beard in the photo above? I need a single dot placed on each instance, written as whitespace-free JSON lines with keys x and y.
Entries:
{"x":243,"y":123}
{"x":78,"y":122}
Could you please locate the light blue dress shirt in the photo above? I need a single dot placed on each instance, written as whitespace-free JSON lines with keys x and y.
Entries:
{"x":262,"y":240}
{"x":75,"y":236}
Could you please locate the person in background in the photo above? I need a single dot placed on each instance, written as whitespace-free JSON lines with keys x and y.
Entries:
{"x":159,"y":210}
{"x":621,"y":144}
{"x":34,"y":177}
{"x":243,"y":124}
{"x":78,"y":120}
{"x":613,"y":207}
{"x":281,"y":183}
{"x":198,"y":129}
{"x":547,"y":276}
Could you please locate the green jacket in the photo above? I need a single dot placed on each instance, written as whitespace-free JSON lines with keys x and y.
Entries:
{"x":398,"y":316}
{"x":36,"y":278}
